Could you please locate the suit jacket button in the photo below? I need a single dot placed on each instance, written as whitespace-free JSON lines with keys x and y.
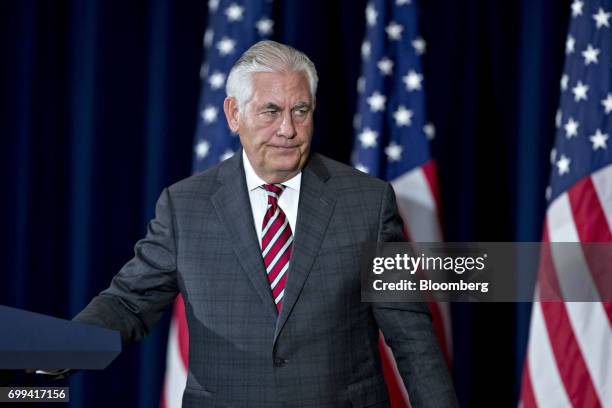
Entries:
{"x":279,"y":362}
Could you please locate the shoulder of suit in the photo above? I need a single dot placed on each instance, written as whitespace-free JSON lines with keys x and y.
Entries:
{"x":199,"y":181}
{"x":341,"y":173}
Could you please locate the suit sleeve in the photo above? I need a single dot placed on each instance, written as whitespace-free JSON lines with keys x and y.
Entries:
{"x":139,"y":293}
{"x":408,"y":331}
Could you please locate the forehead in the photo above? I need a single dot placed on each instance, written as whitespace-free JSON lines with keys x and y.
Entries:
{"x":280,"y":86}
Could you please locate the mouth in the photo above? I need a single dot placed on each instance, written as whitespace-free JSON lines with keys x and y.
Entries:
{"x":285,"y":147}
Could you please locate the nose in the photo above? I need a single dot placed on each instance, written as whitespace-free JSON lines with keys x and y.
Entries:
{"x":287,"y":127}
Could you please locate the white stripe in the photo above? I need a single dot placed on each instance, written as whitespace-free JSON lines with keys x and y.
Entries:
{"x":602,"y":180}
{"x":270,"y":222}
{"x":418,"y":206}
{"x":275,"y":237}
{"x":271,"y":194}
{"x":593,"y":333}
{"x":548,"y":389}
{"x":176,"y":372}
{"x":589,"y":321}
{"x":279,"y":297}
{"x":279,"y":276}
{"x":280,"y":253}
{"x":571,"y":267}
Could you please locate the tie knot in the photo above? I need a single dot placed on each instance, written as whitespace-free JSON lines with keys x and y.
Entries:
{"x":273,"y":191}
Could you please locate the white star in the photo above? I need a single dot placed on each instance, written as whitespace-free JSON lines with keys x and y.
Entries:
{"x":394,"y":152}
{"x":368,"y":138}
{"x":226,"y":155}
{"x":203,"y":70}
{"x":394,"y":31}
{"x":209,"y":114}
{"x":234,"y":12}
{"x":356,"y":121}
{"x":401,"y":2}
{"x":201,"y":149}
{"x":362,"y":168}
{"x":430,"y":131}
{"x":402,"y":116}
{"x":385,"y":65}
{"x":377,"y":102}
{"x":558,"y":118}
{"x":571,"y":128}
{"x":226,"y":46}
{"x":213,"y":5}
{"x":371,"y":14}
{"x":607,"y":103}
{"x":553,"y":155}
{"x":590,"y":55}
{"x":208,"y":37}
{"x":577,"y":8}
{"x":564,"y":81}
{"x":419,"y":46}
{"x":264,"y":26}
{"x":563,"y":165}
{"x":548,"y":192}
{"x":216,"y":80}
{"x":366,"y":48}
{"x":361,"y":84}
{"x":601,"y":18}
{"x":599,"y":140}
{"x":580,"y":91}
{"x":570,"y":44}
{"x":413,"y":81}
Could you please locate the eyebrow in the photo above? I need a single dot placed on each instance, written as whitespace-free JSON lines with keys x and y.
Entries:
{"x":301,"y":105}
{"x":273,"y":106}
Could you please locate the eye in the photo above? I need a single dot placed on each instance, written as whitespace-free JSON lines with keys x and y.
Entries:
{"x":301,"y":112}
{"x":270,"y":112}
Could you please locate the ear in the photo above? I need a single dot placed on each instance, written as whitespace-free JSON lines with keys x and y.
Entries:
{"x":230,"y":107}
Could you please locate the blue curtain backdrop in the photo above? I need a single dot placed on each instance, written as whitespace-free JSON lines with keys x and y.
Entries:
{"x":98,"y":107}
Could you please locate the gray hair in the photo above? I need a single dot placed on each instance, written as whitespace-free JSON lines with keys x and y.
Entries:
{"x":267,"y":56}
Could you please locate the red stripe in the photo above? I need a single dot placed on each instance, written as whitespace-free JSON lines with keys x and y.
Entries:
{"x":162,"y":401}
{"x":570,"y":363}
{"x":394,"y":382}
{"x":279,"y":287}
{"x":278,"y":245}
{"x":438,"y":326}
{"x":280,"y":264}
{"x":592,"y":226}
{"x":548,"y":284}
{"x":591,"y":221}
{"x":431,"y":174}
{"x":572,"y":368}
{"x":278,"y":222}
{"x":183,"y":332}
{"x":527,"y":396}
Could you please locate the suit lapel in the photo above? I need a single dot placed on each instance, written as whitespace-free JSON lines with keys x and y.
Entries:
{"x":314,"y":212}
{"x":233,"y":207}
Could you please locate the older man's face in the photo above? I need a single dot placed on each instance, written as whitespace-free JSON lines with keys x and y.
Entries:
{"x":275,"y":126}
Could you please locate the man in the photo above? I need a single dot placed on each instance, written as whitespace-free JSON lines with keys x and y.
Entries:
{"x":264,"y":248}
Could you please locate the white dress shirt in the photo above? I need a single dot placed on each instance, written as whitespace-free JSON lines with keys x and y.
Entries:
{"x":288,"y":201}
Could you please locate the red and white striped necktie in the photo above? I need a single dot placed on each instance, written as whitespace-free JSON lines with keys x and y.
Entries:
{"x":276,"y":243}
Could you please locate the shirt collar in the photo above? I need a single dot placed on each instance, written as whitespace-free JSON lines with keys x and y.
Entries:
{"x":254,"y":181}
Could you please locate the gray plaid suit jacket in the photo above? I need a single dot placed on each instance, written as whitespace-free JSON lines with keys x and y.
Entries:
{"x":322,"y":350}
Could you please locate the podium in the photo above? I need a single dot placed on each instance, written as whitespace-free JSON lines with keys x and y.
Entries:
{"x":31,"y":340}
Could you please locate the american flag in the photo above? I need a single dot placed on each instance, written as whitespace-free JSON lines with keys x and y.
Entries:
{"x":569,"y":356}
{"x":392,"y":138}
{"x":232,"y":27}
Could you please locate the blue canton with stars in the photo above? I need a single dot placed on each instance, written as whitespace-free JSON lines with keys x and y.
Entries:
{"x":584,"y":119}
{"x":391,"y":134}
{"x":233,"y":26}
